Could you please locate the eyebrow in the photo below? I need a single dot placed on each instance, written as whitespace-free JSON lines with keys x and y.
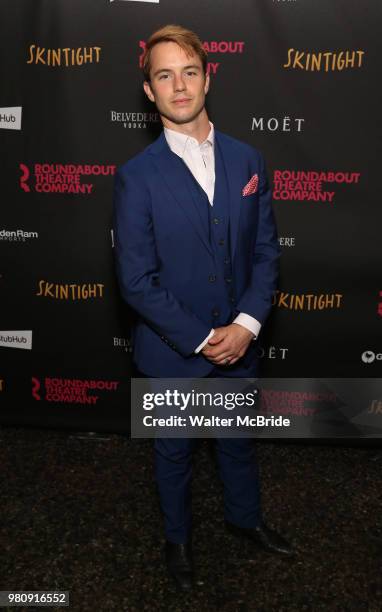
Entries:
{"x":169,"y":69}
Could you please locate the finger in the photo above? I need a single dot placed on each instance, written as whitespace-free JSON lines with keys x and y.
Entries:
{"x":216,"y":338}
{"x":227,"y":360}
{"x":234,"y":360}
{"x":212,"y":341}
{"x":236,"y":357}
{"x":220,"y":359}
{"x":217,"y":353}
{"x":222,"y":347}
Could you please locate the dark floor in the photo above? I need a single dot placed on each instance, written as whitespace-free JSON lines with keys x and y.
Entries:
{"x":83,"y":515}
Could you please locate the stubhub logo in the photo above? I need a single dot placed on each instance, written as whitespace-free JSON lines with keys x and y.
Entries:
{"x":10,"y":117}
{"x":16,"y":339}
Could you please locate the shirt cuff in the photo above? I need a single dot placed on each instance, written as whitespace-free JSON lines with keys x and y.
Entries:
{"x":199,"y":348}
{"x":249,"y":323}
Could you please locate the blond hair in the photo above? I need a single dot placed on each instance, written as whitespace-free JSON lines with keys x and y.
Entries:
{"x":186,"y":39}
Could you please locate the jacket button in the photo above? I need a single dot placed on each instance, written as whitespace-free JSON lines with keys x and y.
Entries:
{"x":222,"y":243}
{"x":226,"y":260}
{"x":232,"y":299}
{"x":215,"y":313}
{"x":212,"y":278}
{"x":216,"y":220}
{"x":228,"y":279}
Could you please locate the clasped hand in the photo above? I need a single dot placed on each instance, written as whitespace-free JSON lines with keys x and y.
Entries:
{"x":228,"y":344}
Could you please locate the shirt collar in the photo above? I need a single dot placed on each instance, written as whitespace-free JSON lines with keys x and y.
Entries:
{"x":177,"y":141}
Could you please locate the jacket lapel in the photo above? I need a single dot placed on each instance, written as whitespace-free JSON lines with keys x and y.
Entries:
{"x":234,"y":170}
{"x":173,"y":176}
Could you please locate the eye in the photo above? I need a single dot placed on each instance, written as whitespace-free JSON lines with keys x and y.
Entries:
{"x":163,"y":76}
{"x":191,"y":73}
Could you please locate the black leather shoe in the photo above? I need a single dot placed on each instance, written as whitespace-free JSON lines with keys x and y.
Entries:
{"x":180,"y":564}
{"x":263,"y":536}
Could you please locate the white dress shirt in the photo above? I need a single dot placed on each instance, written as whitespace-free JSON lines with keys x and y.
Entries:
{"x":200,"y":159}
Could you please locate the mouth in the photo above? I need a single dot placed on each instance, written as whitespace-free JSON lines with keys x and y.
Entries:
{"x":182,"y":101}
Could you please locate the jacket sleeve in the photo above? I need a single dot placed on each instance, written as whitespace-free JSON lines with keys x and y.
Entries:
{"x":257,"y":298}
{"x":138,"y":271}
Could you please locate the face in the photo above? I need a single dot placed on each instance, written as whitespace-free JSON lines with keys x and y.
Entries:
{"x":178,"y":85}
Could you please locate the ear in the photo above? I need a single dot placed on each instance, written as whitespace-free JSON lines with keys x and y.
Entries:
{"x":207,"y":84}
{"x":148,"y":91}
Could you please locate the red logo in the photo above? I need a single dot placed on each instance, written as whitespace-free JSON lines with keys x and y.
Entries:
{"x":223,"y":46}
{"x":71,"y":391}
{"x":24,"y":177}
{"x":63,"y":178}
{"x":142,"y":45}
{"x":309,"y":185}
{"x":36,"y":385}
{"x":302,"y":403}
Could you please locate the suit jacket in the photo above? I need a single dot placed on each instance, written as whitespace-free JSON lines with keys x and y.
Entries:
{"x":164,"y":258}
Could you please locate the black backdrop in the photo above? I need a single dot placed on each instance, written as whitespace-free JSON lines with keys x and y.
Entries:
{"x":297,"y":79}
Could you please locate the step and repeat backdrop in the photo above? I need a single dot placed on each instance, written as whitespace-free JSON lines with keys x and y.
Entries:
{"x":299,"y":80}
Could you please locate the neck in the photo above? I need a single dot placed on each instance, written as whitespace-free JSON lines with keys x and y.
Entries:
{"x":199,"y":128}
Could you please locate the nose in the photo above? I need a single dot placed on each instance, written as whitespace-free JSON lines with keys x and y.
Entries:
{"x":179,"y":84}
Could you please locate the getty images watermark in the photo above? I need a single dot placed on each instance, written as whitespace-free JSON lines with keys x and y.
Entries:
{"x":193,"y":400}
{"x":259,"y":408}
{"x":202,"y":407}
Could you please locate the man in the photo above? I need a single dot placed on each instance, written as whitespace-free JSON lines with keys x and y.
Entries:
{"x":197,"y":259}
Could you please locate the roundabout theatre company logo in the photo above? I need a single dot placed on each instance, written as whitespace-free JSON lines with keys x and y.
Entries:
{"x":221,"y":47}
{"x":62,"y":178}
{"x":70,"y":391}
{"x":300,"y":185}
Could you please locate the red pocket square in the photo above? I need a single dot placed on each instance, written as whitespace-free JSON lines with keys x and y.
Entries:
{"x":251,"y":186}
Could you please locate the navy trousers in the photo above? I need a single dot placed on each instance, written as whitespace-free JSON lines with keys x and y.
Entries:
{"x":238,"y":470}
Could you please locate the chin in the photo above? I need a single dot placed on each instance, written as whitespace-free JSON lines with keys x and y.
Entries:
{"x":183,"y":118}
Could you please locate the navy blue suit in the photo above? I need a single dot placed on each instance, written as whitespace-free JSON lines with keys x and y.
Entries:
{"x":186,"y":267}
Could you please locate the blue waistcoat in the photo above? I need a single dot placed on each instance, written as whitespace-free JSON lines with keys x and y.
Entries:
{"x":216,"y":219}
